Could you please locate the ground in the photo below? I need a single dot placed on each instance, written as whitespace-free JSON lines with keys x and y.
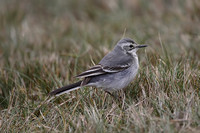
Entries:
{"x":45,"y":43}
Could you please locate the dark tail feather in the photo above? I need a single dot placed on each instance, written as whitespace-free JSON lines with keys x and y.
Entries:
{"x":66,"y":89}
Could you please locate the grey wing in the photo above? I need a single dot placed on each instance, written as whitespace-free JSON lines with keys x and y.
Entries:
{"x":93,"y":71}
{"x":117,"y":60}
{"x":109,"y":64}
{"x":99,"y":70}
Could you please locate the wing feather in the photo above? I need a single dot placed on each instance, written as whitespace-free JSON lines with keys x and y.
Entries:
{"x":99,"y":70}
{"x":93,"y":71}
{"x":113,"y":62}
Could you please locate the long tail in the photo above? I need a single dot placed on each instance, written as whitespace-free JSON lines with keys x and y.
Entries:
{"x":66,"y":89}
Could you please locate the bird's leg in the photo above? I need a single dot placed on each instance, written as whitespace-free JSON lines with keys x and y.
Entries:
{"x":114,"y":96}
{"x":110,"y":93}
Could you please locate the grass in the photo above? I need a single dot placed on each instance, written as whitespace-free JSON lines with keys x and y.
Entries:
{"x":45,"y":43}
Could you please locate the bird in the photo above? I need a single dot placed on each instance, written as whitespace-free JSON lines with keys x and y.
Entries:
{"x":114,"y":72}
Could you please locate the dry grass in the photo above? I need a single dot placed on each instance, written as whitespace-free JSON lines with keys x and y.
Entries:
{"x":44,"y":43}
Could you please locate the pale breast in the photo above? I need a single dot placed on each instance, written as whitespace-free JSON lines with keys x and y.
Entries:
{"x":116,"y":81}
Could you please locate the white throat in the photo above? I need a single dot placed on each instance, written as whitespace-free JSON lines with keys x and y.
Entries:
{"x":134,"y":54}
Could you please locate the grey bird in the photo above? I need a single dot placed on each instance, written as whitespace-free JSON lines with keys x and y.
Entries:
{"x":114,"y":72}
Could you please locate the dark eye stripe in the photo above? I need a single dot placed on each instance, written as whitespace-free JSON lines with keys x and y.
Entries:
{"x":130,"y":41}
{"x":131,"y":46}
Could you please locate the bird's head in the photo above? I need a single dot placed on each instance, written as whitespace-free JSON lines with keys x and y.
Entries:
{"x":129,"y":46}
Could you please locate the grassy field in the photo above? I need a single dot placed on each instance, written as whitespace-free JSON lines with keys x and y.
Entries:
{"x":44,"y":43}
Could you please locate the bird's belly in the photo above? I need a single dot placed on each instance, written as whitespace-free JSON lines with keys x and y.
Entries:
{"x":115,"y":81}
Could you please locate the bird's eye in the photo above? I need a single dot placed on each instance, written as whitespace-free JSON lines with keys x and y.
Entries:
{"x":131,"y":46}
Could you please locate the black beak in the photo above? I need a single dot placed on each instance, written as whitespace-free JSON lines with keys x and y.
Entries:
{"x":141,"y":46}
